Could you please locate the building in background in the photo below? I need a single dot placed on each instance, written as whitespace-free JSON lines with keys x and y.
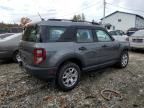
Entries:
{"x":10,"y":28}
{"x":123,"y":21}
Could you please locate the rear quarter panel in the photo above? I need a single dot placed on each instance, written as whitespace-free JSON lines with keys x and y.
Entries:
{"x":55,"y":52}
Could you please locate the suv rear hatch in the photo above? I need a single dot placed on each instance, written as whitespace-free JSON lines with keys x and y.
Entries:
{"x":36,"y":40}
{"x":28,"y":44}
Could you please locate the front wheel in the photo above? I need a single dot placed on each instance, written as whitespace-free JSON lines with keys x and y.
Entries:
{"x":124,"y":59}
{"x":69,"y":76}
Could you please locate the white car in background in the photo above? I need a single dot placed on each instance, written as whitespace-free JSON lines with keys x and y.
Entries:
{"x":4,"y":35}
{"x":137,"y":40}
{"x":119,"y":35}
{"x":9,"y":48}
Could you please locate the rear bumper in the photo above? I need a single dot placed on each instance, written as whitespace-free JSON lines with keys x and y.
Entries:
{"x":42,"y":73}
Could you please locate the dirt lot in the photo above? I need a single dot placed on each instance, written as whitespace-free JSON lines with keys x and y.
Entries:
{"x":20,"y":90}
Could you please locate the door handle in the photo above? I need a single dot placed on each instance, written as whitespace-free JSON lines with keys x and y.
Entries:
{"x":104,"y":46}
{"x":82,"y":48}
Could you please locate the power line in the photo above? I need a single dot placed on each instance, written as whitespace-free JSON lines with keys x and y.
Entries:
{"x":90,"y":6}
{"x":125,"y":7}
{"x":104,"y":9}
{"x":104,"y":3}
{"x":87,"y":7}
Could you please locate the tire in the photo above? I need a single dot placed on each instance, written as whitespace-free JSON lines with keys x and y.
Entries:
{"x":69,"y":76}
{"x":124,"y":59}
{"x":16,"y":57}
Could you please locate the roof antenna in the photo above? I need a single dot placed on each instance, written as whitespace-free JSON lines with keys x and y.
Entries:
{"x":42,"y":19}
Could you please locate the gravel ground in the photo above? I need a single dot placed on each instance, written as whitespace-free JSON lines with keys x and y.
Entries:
{"x":20,"y":90}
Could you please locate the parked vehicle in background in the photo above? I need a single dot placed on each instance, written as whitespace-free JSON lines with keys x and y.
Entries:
{"x":2,"y":36}
{"x":63,"y":49}
{"x":119,"y":35}
{"x":9,"y":46}
{"x":131,"y":31}
{"x":137,"y":40}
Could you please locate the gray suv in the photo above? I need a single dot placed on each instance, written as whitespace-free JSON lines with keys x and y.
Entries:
{"x":64,"y":49}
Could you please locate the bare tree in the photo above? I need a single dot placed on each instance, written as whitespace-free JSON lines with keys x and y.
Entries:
{"x":24,"y":21}
{"x":79,"y":17}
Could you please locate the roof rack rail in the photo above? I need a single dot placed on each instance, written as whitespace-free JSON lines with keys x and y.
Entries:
{"x":94,"y":23}
{"x":59,"y":20}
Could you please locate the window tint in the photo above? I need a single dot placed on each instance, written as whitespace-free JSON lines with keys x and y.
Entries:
{"x":113,"y":33}
{"x":102,"y":36}
{"x":43,"y":33}
{"x":30,"y":34}
{"x":51,"y":34}
{"x":84,"y":35}
{"x":55,"y":33}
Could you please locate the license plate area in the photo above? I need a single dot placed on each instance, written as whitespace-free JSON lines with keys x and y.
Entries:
{"x":137,"y":40}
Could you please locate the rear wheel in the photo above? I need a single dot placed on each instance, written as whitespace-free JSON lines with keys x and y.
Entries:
{"x":124,"y":59}
{"x":69,"y":76}
{"x":16,"y":57}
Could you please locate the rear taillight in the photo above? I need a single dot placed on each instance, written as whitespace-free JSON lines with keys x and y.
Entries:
{"x":39,"y":55}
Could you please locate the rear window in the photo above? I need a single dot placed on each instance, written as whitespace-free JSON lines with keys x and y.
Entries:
{"x":30,"y":34}
{"x":43,"y":34}
{"x":5,"y":36}
{"x":113,"y":33}
{"x":116,"y":33}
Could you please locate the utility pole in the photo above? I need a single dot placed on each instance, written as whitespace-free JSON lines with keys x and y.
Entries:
{"x":104,"y":8}
{"x":104,"y":3}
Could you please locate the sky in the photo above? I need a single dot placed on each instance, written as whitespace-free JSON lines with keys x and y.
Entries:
{"x":11,"y":11}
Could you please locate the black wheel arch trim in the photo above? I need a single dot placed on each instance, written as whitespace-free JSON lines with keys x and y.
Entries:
{"x":68,"y":57}
{"x":14,"y":51}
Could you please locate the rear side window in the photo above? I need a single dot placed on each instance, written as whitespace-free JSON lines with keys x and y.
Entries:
{"x":30,"y":34}
{"x":51,"y":34}
{"x":55,"y":33}
{"x":102,"y":36}
{"x":84,"y":35}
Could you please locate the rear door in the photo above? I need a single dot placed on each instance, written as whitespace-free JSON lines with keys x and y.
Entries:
{"x":108,"y":48}
{"x":85,"y":46}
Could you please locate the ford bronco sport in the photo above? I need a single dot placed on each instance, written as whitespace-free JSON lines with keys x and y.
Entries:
{"x":63,"y":49}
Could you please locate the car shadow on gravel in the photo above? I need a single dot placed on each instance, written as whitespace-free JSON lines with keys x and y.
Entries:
{"x":93,"y":74}
{"x":137,"y":51}
{"x":98,"y":73}
{"x":6,"y":62}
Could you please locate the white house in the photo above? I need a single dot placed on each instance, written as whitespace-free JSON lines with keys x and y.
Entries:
{"x":123,"y":21}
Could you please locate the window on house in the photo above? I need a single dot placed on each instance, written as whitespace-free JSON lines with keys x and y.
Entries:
{"x":119,"y":20}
